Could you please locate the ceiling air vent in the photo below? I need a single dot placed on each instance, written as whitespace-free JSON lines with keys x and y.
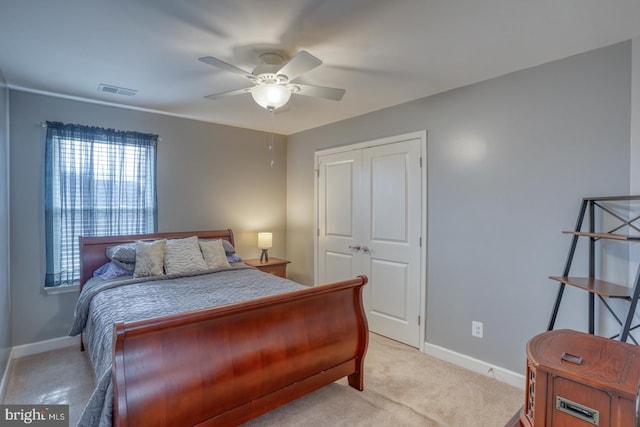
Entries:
{"x":116,"y":90}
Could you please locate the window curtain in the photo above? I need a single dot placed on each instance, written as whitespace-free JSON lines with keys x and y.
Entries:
{"x":97,"y":182}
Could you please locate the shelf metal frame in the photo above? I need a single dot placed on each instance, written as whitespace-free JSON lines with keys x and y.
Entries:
{"x":603,"y":289}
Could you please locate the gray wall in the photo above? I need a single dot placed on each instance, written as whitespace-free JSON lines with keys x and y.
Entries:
{"x":509,"y":161}
{"x":209,"y":176}
{"x":5,"y":295}
{"x":635,"y":123}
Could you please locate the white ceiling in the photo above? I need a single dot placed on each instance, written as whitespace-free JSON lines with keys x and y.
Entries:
{"x":382,"y":52}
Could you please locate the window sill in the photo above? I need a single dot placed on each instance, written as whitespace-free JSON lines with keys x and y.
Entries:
{"x":62,"y":289}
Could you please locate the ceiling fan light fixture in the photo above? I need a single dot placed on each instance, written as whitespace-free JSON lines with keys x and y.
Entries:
{"x":272,"y":79}
{"x":270,"y":96}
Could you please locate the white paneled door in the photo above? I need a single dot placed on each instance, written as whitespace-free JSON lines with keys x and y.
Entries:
{"x":339,"y":205}
{"x":370,"y":222}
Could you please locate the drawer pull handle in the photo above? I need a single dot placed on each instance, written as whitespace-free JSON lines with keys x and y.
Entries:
{"x":577,"y":410}
{"x":571,"y":358}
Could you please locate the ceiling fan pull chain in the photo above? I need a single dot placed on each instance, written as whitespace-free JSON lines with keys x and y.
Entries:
{"x":271,"y":138}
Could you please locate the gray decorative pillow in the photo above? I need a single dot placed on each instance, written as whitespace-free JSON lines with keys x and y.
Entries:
{"x":125,"y":252}
{"x":183,"y":256}
{"x":149,"y":258}
{"x":124,"y":255}
{"x":228,"y":247}
{"x":214,"y":254}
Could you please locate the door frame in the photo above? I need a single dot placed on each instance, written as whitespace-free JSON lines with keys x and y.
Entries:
{"x":422,"y":137}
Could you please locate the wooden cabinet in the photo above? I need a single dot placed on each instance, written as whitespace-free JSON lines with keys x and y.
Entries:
{"x":578,"y":380}
{"x":275,"y":266}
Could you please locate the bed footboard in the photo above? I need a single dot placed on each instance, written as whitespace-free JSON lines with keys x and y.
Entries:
{"x":226,"y":365}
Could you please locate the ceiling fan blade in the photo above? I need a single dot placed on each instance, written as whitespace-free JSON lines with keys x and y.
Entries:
{"x":229,"y":93}
{"x":299,"y":64}
{"x":225,"y":66}
{"x":331,"y":93}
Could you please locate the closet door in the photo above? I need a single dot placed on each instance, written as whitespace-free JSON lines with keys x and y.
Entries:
{"x":391,"y":222}
{"x":339,"y":232}
{"x":370,"y":222}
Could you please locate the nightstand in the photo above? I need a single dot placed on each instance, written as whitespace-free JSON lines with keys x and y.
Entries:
{"x":275,"y":266}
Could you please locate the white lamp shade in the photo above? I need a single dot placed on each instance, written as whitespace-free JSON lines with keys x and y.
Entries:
{"x":265,"y":240}
{"x":270,"y":96}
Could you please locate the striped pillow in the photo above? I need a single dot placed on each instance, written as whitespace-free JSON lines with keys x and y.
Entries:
{"x":214,"y":254}
{"x":149,"y":256}
{"x":183,"y":256}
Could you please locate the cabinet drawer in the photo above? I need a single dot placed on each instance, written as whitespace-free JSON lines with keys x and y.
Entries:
{"x":576,"y":404}
{"x":278,"y":270}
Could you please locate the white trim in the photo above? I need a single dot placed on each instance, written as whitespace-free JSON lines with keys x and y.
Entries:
{"x":54,"y":290}
{"x":42,"y":346}
{"x":421,"y":135}
{"x":424,"y":233}
{"x":475,"y":365}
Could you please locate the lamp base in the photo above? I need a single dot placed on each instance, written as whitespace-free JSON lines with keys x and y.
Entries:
{"x":265,"y":256}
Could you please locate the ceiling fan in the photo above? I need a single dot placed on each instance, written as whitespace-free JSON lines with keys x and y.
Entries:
{"x":273,"y":79}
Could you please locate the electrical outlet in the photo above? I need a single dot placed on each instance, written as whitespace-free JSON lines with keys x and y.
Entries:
{"x":476,"y":329}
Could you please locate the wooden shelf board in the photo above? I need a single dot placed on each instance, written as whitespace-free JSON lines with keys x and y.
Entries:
{"x":604,"y":235}
{"x":600,"y":287}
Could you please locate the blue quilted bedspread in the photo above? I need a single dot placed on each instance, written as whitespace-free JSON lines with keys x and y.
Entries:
{"x":105,"y":302}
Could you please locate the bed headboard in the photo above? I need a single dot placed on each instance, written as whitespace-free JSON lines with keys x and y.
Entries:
{"x":93,"y":249}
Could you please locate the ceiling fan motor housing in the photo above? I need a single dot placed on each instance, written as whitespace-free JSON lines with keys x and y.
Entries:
{"x":267,"y":71}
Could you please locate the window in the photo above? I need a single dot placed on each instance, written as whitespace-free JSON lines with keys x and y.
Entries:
{"x":97,"y":182}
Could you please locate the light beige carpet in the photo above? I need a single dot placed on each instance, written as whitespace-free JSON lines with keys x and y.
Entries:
{"x":403,"y":387}
{"x":59,"y":377}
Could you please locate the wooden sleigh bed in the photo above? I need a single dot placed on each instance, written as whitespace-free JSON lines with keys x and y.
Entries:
{"x":228,"y":364}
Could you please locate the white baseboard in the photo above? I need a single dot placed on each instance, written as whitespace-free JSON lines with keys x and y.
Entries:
{"x":46,"y":345}
{"x":475,"y":365}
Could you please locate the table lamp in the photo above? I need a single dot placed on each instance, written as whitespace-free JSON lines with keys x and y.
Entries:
{"x":264,"y":243}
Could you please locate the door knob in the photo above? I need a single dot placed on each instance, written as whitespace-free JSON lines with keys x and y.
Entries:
{"x":355,"y":248}
{"x":365,"y":249}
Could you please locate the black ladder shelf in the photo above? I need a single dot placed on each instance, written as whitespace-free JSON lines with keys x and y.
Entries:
{"x":591,"y":284}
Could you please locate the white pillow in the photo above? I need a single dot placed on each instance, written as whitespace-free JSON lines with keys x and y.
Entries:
{"x":149,"y":258}
{"x":214,"y":254}
{"x":183,"y":256}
